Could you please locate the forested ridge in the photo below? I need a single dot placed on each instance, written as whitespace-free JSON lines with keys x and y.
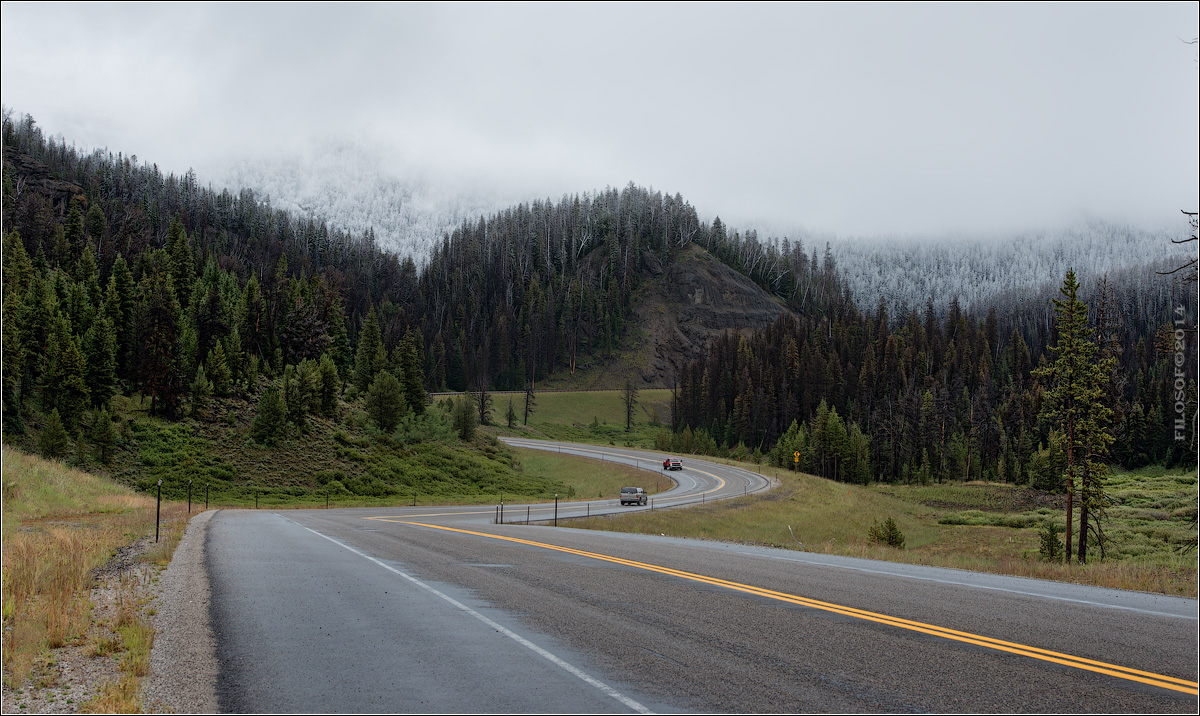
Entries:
{"x":118,"y":278}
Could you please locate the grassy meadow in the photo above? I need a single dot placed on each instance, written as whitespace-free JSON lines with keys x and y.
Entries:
{"x":1150,"y":526}
{"x":596,"y":417}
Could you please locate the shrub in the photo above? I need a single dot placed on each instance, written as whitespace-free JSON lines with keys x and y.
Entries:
{"x":887,"y":533}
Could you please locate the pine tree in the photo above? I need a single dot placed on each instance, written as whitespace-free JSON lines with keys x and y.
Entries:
{"x":120,"y":304}
{"x":339,"y":342}
{"x":54,"y":442}
{"x":66,"y":386}
{"x":414,"y":371}
{"x":269,"y":422}
{"x":385,"y":401}
{"x":14,"y":354}
{"x":100,"y":348}
{"x":483,"y":401}
{"x":103,"y":436}
{"x":18,"y":269}
{"x":182,"y":261}
{"x":217,"y":369}
{"x":530,"y":400}
{"x":629,"y":397}
{"x":1074,"y":402}
{"x":202,"y":389}
{"x":95,"y":225}
{"x":329,"y":382}
{"x":369,"y":345}
{"x":158,"y":345}
{"x":464,"y":418}
{"x":511,"y":415}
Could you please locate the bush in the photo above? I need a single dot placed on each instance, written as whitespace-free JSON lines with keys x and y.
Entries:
{"x":887,"y":533}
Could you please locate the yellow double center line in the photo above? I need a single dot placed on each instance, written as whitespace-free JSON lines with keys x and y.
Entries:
{"x":1100,"y":667}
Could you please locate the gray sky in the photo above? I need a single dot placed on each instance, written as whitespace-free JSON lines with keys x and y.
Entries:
{"x":852,"y":119}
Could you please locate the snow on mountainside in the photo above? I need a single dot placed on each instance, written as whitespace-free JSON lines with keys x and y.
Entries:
{"x":349,"y":186}
{"x":356,"y":188}
{"x":906,"y":272}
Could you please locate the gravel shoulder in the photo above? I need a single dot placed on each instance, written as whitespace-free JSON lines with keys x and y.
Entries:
{"x":183,"y":662}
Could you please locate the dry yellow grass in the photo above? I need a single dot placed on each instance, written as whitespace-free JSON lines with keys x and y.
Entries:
{"x":60,"y":524}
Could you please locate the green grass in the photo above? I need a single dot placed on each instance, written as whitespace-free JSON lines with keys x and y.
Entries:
{"x":37,"y":489}
{"x":822,"y":514}
{"x":596,"y":417}
{"x":588,"y":479}
{"x":581,"y":408}
{"x":982,"y":527}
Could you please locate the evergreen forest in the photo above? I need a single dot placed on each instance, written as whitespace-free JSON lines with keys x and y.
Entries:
{"x":119,"y":279}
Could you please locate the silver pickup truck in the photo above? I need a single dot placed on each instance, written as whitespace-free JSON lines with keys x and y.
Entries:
{"x":633,"y":496}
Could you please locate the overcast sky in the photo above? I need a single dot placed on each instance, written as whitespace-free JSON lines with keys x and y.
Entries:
{"x":851,"y":119}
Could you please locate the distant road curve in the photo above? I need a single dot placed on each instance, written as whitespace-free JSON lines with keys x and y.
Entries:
{"x":699,"y":481}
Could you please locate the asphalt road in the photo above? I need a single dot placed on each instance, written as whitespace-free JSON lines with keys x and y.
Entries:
{"x":441,"y":610}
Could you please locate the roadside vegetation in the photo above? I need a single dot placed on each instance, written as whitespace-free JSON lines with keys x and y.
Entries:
{"x":1150,"y":527}
{"x":64,"y":530}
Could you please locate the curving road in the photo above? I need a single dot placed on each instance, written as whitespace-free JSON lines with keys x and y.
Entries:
{"x":441,"y":610}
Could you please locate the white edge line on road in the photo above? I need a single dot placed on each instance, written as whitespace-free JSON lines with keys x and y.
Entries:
{"x":608,"y":690}
{"x":975,"y":586}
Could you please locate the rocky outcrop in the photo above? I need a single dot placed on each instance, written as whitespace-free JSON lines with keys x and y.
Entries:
{"x":696,"y":298}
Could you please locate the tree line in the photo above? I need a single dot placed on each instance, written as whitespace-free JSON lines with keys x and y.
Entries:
{"x":862,"y":397}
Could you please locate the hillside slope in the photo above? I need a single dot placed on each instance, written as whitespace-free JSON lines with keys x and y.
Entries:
{"x":680,"y":308}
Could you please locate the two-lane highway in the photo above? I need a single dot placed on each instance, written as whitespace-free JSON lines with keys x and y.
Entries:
{"x":418,"y":609}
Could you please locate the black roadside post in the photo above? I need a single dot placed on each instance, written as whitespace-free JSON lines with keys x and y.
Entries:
{"x":157,"y":509}
{"x":256,"y":497}
{"x":189,"y":495}
{"x":327,"y":499}
{"x":502,"y":508}
{"x":556,"y":509}
{"x":206,"y":495}
{"x":526,"y":514}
